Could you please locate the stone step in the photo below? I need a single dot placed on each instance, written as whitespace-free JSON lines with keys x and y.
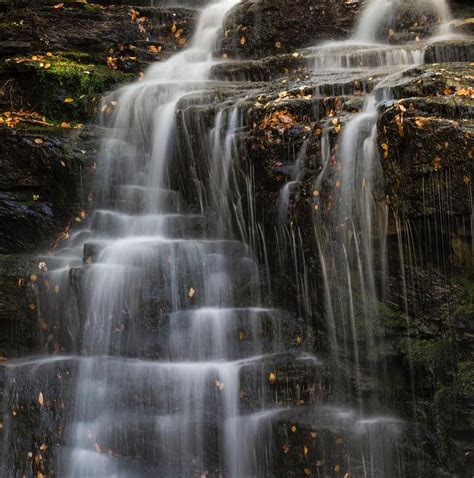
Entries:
{"x":328,"y":440}
{"x":220,"y":333}
{"x":150,"y":277}
{"x":107,"y":223}
{"x":212,"y":333}
{"x":135,"y":199}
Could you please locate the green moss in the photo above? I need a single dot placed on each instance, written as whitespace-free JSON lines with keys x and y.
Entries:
{"x":467,"y":285}
{"x":465,"y":378}
{"x":432,"y":354}
{"x":69,"y":75}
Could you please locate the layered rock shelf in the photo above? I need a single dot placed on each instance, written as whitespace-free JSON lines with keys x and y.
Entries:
{"x":356,"y":300}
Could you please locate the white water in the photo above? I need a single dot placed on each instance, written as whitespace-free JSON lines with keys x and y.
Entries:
{"x":351,"y":248}
{"x":176,"y":342}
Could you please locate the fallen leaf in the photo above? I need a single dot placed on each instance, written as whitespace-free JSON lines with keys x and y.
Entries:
{"x":41,"y":399}
{"x":69,"y":100}
{"x":272,"y":377}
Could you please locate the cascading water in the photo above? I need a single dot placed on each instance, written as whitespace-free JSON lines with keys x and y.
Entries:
{"x":175,"y":342}
{"x":352,"y":246}
{"x":175,"y":363}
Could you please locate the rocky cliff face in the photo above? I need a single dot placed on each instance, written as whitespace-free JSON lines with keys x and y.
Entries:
{"x":58,"y":60}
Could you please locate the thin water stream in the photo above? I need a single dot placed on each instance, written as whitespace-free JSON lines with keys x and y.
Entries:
{"x":177,"y":360}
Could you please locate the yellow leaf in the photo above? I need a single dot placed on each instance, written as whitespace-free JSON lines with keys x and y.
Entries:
{"x":59,"y":5}
{"x":308,"y":472}
{"x":33,"y":277}
{"x":69,"y":100}
{"x":32,"y":307}
{"x":243,"y":41}
{"x":241,"y":335}
{"x":272,"y":377}
{"x":41,"y":399}
{"x":154,"y":49}
{"x":191,"y":293}
{"x":314,"y":434}
{"x":305,"y":450}
{"x":298,"y":339}
{"x":278,"y":44}
{"x":39,"y":141}
{"x":337,"y":468}
{"x":293,"y":428}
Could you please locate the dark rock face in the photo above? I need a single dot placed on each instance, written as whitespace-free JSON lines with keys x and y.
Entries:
{"x":47,"y":181}
{"x":425,"y":137}
{"x":264,"y":28}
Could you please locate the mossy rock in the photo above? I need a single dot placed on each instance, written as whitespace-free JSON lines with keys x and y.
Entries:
{"x":64,"y":86}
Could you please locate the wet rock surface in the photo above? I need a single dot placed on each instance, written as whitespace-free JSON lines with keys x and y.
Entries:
{"x":425,"y":137}
{"x":262,"y":28}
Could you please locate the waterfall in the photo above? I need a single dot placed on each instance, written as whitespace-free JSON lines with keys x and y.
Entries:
{"x":351,"y":244}
{"x":174,"y":360}
{"x":177,"y":361}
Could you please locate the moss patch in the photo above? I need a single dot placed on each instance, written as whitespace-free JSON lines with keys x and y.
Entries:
{"x":65,"y":86}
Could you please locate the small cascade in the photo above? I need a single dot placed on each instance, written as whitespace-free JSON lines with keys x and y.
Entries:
{"x":174,"y":360}
{"x":351,"y":237}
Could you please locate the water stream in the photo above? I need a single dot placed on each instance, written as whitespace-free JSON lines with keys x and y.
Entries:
{"x":178,"y":364}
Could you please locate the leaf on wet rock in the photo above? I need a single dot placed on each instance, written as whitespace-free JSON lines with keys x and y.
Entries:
{"x":41,"y":399}
{"x":272,"y":377}
{"x":191,"y":293}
